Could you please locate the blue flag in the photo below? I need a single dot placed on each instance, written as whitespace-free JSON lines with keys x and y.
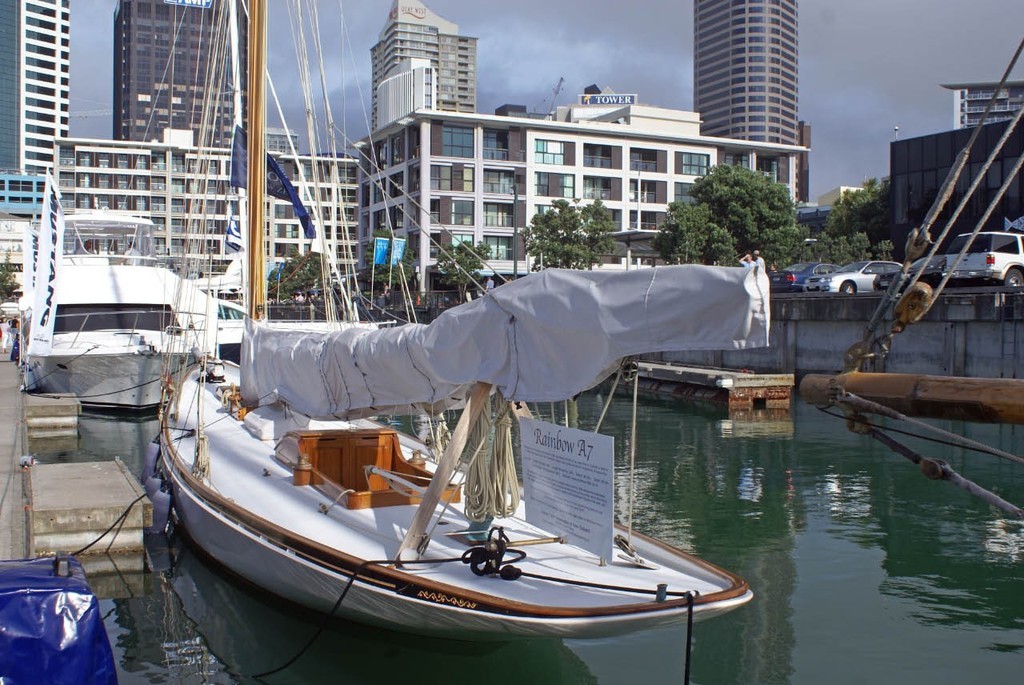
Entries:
{"x":239,"y":159}
{"x":280,"y":187}
{"x":380,"y":250}
{"x":397,"y":250}
{"x":233,"y":236}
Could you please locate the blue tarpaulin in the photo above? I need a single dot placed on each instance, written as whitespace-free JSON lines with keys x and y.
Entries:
{"x":51,"y":630}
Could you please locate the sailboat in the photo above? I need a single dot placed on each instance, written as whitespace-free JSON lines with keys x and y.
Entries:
{"x":280,"y":472}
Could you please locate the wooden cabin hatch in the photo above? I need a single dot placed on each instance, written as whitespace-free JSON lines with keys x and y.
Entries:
{"x":335,"y":461}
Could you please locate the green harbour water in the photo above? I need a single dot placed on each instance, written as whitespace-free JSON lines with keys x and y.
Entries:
{"x":864,"y":571}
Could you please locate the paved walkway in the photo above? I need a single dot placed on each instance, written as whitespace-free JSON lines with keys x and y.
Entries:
{"x":12,"y":445}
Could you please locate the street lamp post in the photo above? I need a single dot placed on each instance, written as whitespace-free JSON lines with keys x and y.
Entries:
{"x":515,"y":229}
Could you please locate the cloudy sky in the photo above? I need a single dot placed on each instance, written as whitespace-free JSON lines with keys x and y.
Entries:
{"x":866,"y":67}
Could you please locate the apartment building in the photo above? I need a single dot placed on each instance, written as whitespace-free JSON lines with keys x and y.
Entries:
{"x":413,"y":32}
{"x":971,"y":99}
{"x":442,"y":178}
{"x":35,"y":48}
{"x":185,"y":191}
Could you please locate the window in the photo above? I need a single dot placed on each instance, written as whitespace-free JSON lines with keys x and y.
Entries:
{"x":467,"y":179}
{"x":440,"y":177}
{"x":549,"y":152}
{"x":648,"y":220}
{"x":462,"y":212}
{"x":597,"y":188}
{"x":555,"y":185}
{"x":738,"y":159}
{"x":497,"y":214}
{"x":769,"y":166}
{"x":647,"y":191}
{"x":456,"y":141}
{"x":683,"y":193}
{"x":498,"y":181}
{"x":643,"y":160}
{"x":495,"y":144}
{"x":693,"y":164}
{"x":599,"y":156}
{"x":460,"y":238}
{"x":501,"y":246}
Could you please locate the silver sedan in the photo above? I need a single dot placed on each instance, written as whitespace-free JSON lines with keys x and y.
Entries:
{"x":850,"y":279}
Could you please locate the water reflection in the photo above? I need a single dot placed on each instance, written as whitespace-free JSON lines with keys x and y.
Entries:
{"x":202,"y":626}
{"x":859,"y":565}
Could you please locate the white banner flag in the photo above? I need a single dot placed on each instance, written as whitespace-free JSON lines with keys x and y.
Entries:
{"x":50,"y":249}
{"x":29,"y":249}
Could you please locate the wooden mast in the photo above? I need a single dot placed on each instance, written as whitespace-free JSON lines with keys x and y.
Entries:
{"x":987,"y":400}
{"x":257,"y":158}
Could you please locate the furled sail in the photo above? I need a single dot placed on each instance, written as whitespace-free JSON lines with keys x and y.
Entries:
{"x":546,"y":337}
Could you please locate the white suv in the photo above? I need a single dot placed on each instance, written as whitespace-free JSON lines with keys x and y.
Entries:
{"x":994,"y":256}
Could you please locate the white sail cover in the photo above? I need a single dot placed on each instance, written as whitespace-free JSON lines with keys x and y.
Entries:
{"x":546,"y":337}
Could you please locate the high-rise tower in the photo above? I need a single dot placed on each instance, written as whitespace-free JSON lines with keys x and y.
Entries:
{"x":745,"y":68}
{"x":162,"y":70}
{"x":34,"y":82}
{"x":414,"y":32}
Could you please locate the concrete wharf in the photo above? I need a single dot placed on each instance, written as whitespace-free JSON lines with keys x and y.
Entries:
{"x":47,"y":509}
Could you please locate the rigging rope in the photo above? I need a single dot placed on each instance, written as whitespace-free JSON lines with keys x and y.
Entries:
{"x":492,"y":485}
{"x":935,"y":469}
{"x":918,"y":239}
{"x":632,"y":455}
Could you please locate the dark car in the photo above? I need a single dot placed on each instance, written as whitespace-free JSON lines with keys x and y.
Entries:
{"x":933,"y":273}
{"x":791,"y":279}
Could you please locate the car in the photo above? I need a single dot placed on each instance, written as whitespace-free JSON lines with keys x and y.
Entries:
{"x":791,"y":279}
{"x":850,"y":279}
{"x":993,"y":257}
{"x":932,"y":274}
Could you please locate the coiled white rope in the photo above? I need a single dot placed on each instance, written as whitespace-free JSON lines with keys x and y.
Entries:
{"x":492,"y":485}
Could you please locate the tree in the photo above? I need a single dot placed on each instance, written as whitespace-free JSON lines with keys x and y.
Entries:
{"x":297,"y":274}
{"x":8,"y":279}
{"x":862,"y":211}
{"x":689,"y":235}
{"x":757,"y":212}
{"x":461,"y":264}
{"x":843,"y":249}
{"x":569,"y":236}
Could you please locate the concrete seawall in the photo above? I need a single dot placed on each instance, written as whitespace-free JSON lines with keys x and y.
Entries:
{"x":970,"y":333}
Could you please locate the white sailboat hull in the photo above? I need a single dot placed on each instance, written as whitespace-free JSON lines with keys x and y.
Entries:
{"x":249,"y":517}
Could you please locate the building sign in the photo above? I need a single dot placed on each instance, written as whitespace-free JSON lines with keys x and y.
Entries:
{"x":205,"y":4}
{"x":607,"y":99}
{"x":407,"y":12}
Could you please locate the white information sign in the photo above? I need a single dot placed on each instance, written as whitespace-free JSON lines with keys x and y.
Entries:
{"x":567,"y":477}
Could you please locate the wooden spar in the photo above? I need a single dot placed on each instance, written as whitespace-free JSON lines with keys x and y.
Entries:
{"x":987,"y":400}
{"x":416,"y":536}
{"x":257,"y":159}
